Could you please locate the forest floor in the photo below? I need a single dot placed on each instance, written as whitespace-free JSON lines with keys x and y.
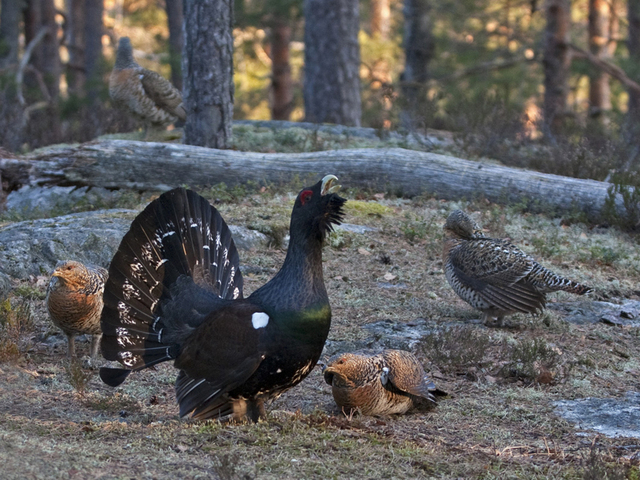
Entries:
{"x":59,"y":421}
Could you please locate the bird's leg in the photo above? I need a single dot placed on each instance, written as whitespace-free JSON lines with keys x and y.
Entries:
{"x":256,"y":410}
{"x":95,"y":344}
{"x":71,"y":350}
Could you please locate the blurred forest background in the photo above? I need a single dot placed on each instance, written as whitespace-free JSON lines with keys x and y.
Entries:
{"x":549,"y":85}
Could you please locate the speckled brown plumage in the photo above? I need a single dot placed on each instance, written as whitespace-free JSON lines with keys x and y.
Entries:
{"x":146,"y":94}
{"x":74,"y":301}
{"x":493,"y":275}
{"x":391,"y":382}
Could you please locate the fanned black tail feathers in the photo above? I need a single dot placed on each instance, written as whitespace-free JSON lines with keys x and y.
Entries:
{"x":176,"y":264}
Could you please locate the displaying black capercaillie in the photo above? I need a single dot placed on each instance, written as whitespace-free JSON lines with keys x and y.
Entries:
{"x":175,"y":293}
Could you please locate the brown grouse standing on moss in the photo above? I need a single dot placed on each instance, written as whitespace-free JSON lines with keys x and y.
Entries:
{"x":493,"y":275}
{"x":74,"y":301}
{"x":146,"y":94}
{"x":391,"y":382}
{"x":175,"y":293}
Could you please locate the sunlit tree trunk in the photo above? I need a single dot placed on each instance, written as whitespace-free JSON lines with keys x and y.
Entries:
{"x":10,"y":11}
{"x":281,"y":71}
{"x":207,"y":64}
{"x":556,"y":62}
{"x":176,"y":40}
{"x":332,"y":62}
{"x":380,"y":18}
{"x":602,"y":22}
{"x":419,"y":48}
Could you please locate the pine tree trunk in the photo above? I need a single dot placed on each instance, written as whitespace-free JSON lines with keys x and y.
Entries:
{"x":75,"y":44}
{"x":332,"y":62}
{"x":93,"y":28}
{"x":175,"y":19}
{"x":10,"y":11}
{"x":600,"y":44}
{"x":43,"y":127}
{"x":207,"y":64}
{"x":281,"y":71}
{"x":380,"y":17}
{"x":419,"y":50}
{"x":556,"y":62}
{"x":632,"y":123}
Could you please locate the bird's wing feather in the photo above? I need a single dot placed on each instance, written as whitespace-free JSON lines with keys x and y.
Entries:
{"x":162,"y":92}
{"x":490,"y":261}
{"x":212,"y":360}
{"x":407,"y":375}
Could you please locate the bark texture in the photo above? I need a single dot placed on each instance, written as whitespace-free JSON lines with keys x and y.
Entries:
{"x":175,"y":20}
{"x":207,"y":64}
{"x":556,"y":62}
{"x":75,"y":33}
{"x":161,"y":166}
{"x":332,"y":62}
{"x":281,"y":71}
{"x":10,"y":11}
{"x":419,"y":50}
{"x":602,"y":34}
{"x":632,"y":124}
{"x":93,"y":63}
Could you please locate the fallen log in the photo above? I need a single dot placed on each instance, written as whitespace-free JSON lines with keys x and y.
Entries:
{"x":124,"y":164}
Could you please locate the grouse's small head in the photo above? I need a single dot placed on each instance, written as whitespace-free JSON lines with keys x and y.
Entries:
{"x":460,"y":225}
{"x":124,"y":55}
{"x":70,"y":273}
{"x":341,"y":370}
{"x":318,"y":208}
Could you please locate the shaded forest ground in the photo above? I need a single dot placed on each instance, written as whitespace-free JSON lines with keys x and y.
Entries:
{"x":60,"y":421}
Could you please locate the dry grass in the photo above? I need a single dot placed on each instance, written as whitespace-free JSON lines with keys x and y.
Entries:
{"x":498,"y":422}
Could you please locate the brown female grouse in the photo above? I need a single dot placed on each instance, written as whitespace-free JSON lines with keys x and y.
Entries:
{"x":175,"y":293}
{"x":494,"y":276}
{"x":74,"y":301}
{"x":387,"y":383}
{"x":146,"y":94}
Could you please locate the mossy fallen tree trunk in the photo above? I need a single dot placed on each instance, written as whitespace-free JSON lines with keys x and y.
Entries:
{"x":122,"y":164}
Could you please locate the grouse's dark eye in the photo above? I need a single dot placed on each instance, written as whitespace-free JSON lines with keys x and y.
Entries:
{"x":305,"y":196}
{"x":341,"y":361}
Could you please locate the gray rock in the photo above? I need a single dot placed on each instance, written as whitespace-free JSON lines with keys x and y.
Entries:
{"x":247,"y":239}
{"x":352,"y":228}
{"x":34,"y":247}
{"x":613,"y":417}
{"x":30,"y":199}
{"x":587,"y":312}
{"x":5,"y":285}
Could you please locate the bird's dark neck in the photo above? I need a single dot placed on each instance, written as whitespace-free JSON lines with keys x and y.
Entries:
{"x":300,"y":282}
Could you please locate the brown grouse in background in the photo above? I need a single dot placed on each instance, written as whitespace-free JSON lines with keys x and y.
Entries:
{"x":146,"y":94}
{"x":493,"y":275}
{"x":175,"y":294}
{"x":74,"y":301}
{"x":391,"y":382}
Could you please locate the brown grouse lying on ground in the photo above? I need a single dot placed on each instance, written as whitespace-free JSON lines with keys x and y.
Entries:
{"x":383,"y":384}
{"x":175,"y":293}
{"x":74,"y":301}
{"x":146,"y":94}
{"x":494,"y":276}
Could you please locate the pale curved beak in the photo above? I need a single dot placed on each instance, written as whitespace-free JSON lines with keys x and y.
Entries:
{"x":328,"y":185}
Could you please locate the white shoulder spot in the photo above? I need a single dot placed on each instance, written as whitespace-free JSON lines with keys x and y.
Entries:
{"x":259,"y":320}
